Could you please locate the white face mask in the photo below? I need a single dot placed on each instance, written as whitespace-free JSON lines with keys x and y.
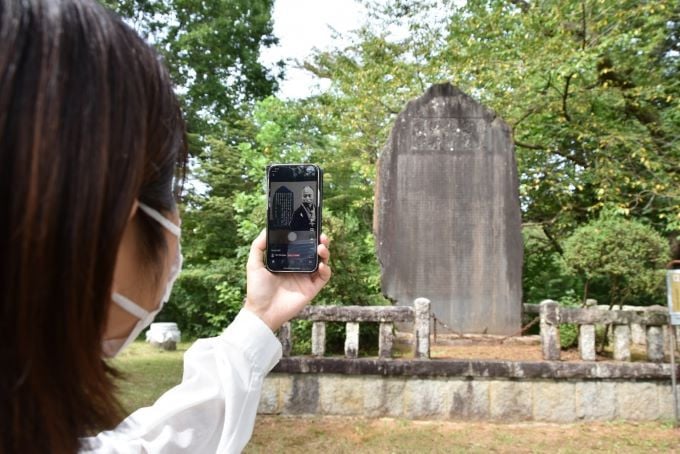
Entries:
{"x":111,"y":347}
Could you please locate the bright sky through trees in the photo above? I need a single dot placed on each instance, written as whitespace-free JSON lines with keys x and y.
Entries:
{"x":302,"y":25}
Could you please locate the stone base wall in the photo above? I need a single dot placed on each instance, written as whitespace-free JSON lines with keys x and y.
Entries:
{"x":601,"y":394}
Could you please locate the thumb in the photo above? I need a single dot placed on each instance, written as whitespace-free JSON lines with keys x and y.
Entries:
{"x":257,"y":248}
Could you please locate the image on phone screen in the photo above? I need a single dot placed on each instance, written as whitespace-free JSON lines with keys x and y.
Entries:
{"x":293,"y":217}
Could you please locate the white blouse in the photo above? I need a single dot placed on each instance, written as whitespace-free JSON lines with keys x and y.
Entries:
{"x":213,"y":409}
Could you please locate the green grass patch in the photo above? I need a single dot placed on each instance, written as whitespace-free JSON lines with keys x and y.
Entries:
{"x":147,"y":373}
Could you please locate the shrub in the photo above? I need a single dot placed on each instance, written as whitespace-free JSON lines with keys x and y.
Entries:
{"x":625,"y":255}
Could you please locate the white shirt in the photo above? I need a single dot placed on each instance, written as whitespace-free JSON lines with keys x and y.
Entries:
{"x":213,"y":409}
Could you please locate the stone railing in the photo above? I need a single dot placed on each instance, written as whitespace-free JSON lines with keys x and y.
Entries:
{"x":425,"y":388}
{"x":386,"y":316}
{"x":552,"y":316}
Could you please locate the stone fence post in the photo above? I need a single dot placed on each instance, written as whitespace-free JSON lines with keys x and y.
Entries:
{"x":351,"y":339}
{"x":421,"y":327}
{"x":622,"y":338}
{"x":318,"y":339}
{"x":284,"y":336}
{"x":550,"y":330}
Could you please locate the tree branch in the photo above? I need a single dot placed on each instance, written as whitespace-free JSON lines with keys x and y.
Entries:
{"x":553,"y":241}
{"x":564,"y":98}
{"x":583,"y":23}
{"x":523,"y":117}
{"x":570,"y":157}
{"x":529,"y":146}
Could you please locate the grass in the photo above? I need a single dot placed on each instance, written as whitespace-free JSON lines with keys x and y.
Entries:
{"x":384,"y":435}
{"x":149,"y":372}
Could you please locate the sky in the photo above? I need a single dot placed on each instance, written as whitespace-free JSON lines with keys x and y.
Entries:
{"x":302,"y":25}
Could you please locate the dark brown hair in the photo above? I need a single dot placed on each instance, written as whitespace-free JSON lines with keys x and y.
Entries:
{"x":88,"y":124}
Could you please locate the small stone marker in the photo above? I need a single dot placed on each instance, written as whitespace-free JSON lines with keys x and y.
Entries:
{"x":447,"y":216}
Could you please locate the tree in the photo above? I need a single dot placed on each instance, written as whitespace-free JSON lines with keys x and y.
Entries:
{"x":212,"y":49}
{"x":589,"y":87}
{"x":627,"y":255}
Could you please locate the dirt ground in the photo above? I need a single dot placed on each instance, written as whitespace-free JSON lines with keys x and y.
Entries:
{"x":524,"y":348}
{"x":386,"y":435}
{"x":494,"y":347}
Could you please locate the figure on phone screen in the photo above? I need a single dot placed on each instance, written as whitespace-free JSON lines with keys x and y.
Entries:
{"x":304,"y":217}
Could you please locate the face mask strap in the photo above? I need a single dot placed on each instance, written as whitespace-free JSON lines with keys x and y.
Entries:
{"x":129,"y":306}
{"x":172,"y":228}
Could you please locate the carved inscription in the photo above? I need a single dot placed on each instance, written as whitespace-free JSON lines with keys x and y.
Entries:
{"x":444,"y":134}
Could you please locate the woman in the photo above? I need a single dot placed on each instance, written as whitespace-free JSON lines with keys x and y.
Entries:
{"x":92,"y":153}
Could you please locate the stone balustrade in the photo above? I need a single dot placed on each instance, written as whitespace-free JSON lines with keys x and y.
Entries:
{"x":423,"y":388}
{"x":386,"y":316}
{"x":552,"y":315}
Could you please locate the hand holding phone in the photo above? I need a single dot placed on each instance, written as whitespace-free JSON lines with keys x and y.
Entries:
{"x":278,"y":297}
{"x":295,"y":193}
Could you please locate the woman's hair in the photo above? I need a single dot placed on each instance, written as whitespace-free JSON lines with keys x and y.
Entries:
{"x":88,"y":124}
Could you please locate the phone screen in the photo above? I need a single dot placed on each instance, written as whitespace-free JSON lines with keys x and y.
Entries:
{"x":293,"y":217}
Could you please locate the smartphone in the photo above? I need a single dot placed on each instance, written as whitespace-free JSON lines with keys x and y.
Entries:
{"x":295,"y":196}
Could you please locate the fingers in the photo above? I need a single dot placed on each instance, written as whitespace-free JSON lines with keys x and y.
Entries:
{"x":256,"y":250}
{"x":323,"y":252}
{"x":324,"y":272}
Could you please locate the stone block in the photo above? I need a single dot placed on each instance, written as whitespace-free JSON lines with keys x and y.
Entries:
{"x":426,"y":399}
{"x":341,"y":395}
{"x":510,"y":400}
{"x":469,"y":399}
{"x":637,"y":401}
{"x":595,"y":400}
{"x":383,"y":397}
{"x":554,"y":401}
{"x":666,"y":402}
{"x":300,"y":395}
{"x":269,"y":399}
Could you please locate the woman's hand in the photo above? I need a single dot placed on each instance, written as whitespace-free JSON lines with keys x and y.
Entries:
{"x":278,"y":297}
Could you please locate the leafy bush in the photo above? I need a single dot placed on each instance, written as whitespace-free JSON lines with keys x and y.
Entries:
{"x":543,"y":275}
{"x":625,"y":255}
{"x":569,"y":331}
{"x":206,"y":299}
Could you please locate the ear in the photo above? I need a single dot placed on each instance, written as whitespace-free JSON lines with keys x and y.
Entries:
{"x":133,"y":211}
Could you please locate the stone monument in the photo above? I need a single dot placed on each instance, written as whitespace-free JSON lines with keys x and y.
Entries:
{"x":447,"y":216}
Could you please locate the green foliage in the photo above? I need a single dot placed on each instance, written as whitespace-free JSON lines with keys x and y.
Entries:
{"x":629,"y":255}
{"x":287,"y":132}
{"x":205,"y":299}
{"x":212,"y":49}
{"x":569,"y":331}
{"x":590,"y":88}
{"x":544,"y":276}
